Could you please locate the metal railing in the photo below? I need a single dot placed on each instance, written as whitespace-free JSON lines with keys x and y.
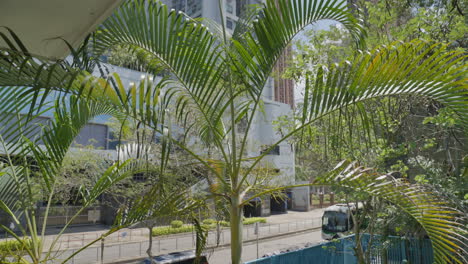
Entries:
{"x":125,"y":244}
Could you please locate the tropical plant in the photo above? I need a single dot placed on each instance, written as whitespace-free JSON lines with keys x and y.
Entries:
{"x":25,"y":163}
{"x":217,"y":80}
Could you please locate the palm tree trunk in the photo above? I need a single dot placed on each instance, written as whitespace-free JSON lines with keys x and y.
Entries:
{"x":236,"y":230}
{"x":150,"y":244}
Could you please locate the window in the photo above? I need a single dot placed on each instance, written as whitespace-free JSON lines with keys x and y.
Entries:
{"x":273,"y":151}
{"x":242,"y":125}
{"x":229,"y":8}
{"x":139,"y":177}
{"x":335,"y":222}
{"x":240,"y":5}
{"x":229,"y":23}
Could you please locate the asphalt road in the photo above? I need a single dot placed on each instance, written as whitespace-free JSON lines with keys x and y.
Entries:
{"x":122,"y":249}
{"x":223,"y":256}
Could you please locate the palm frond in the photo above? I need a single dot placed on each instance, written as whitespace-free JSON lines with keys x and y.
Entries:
{"x":414,"y":68}
{"x":148,"y":208}
{"x":440,"y":221}
{"x":187,"y":48}
{"x":12,"y":189}
{"x":276,"y":25}
{"x":70,"y":117}
{"x":201,"y":238}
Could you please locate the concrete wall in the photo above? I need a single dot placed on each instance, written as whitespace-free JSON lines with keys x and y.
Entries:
{"x":301,"y":197}
{"x":263,"y":135}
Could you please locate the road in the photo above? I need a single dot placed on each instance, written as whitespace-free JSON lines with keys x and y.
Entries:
{"x":129,"y":250}
{"x":223,"y":256}
{"x":132,"y":244}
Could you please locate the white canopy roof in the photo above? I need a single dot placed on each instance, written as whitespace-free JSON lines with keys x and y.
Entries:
{"x":42,"y":24}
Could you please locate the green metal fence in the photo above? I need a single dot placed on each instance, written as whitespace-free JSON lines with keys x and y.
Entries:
{"x":390,"y":250}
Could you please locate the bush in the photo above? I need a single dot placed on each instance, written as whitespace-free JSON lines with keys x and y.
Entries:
{"x":207,"y":224}
{"x":209,"y":221}
{"x":13,"y":248}
{"x":176,"y":224}
{"x":225,"y":223}
{"x":246,"y":221}
{"x":253,"y":220}
{"x":165,"y":230}
{"x":208,"y":227}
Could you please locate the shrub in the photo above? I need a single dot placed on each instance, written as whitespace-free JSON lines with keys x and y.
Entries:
{"x":176,"y":224}
{"x":13,"y":248}
{"x":209,"y":221}
{"x":207,"y":224}
{"x":224,"y":223}
{"x":246,"y":221}
{"x":165,"y":230}
{"x":253,"y":220}
{"x":208,"y":227}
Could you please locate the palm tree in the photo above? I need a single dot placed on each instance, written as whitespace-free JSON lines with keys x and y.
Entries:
{"x":18,"y":197}
{"x":217,"y":79}
{"x":24,"y":151}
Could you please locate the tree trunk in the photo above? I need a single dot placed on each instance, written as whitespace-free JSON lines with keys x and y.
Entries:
{"x":236,"y":230}
{"x":357,"y":238}
{"x":150,"y":244}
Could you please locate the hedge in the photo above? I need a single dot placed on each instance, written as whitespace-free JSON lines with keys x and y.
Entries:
{"x":207,"y":224}
{"x":167,"y":230}
{"x":253,"y":220}
{"x":177,"y":224}
{"x":209,"y":221}
{"x":246,"y":221}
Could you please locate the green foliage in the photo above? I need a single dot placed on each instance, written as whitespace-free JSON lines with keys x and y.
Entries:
{"x":167,"y":230}
{"x":406,"y":197}
{"x":415,"y":136}
{"x":13,"y":248}
{"x":445,"y":118}
{"x":401,"y":168}
{"x":209,"y":221}
{"x":217,"y":80}
{"x":176,"y":224}
{"x":225,"y":223}
{"x":253,"y":220}
{"x":80,"y":169}
{"x":246,"y":221}
{"x":391,"y":20}
{"x":207,"y":224}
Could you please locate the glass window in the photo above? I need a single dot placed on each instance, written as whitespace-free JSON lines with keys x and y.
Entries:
{"x":229,"y":23}
{"x":274,"y":151}
{"x":335,"y":222}
{"x":229,"y":8}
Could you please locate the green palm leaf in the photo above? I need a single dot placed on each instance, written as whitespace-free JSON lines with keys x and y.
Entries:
{"x":414,"y":68}
{"x":276,"y":25}
{"x":435,"y":215}
{"x":187,"y":48}
{"x":442,"y":223}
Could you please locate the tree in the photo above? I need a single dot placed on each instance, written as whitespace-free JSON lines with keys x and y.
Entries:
{"x":418,"y":137}
{"x":18,"y":182}
{"x":218,"y":79}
